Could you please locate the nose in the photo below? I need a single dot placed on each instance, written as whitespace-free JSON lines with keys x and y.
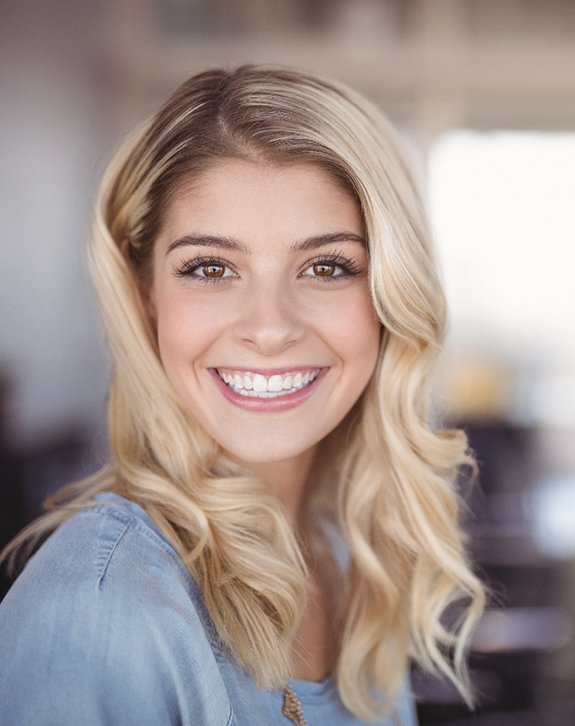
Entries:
{"x":269,"y":321}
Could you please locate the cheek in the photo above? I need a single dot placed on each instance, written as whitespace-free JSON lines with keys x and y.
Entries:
{"x":179,"y":335}
{"x":356,"y":332}
{"x":188,"y":325}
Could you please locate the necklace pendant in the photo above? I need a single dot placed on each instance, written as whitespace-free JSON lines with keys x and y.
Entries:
{"x":292,"y":707}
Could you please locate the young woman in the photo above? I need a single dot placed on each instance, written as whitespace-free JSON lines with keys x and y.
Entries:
{"x":277,"y":533}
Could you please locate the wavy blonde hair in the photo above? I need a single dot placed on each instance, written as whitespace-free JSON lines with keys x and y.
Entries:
{"x":397,"y":505}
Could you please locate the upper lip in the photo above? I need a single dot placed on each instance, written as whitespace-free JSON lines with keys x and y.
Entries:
{"x":269,"y":371}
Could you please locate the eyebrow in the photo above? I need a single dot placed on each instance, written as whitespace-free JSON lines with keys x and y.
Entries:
{"x":312,"y":243}
{"x":229,"y":243}
{"x":207,"y":240}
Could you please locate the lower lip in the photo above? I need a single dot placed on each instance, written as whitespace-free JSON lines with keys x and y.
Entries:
{"x":281,"y":403}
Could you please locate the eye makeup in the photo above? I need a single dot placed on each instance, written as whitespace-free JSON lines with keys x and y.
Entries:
{"x":331,"y":267}
{"x":206,"y":269}
{"x":324,"y":268}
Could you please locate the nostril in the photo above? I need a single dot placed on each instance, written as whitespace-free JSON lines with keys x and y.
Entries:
{"x":269,"y":333}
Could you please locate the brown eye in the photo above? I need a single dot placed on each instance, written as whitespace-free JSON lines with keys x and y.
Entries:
{"x":334,"y":267}
{"x":323,"y":269}
{"x":213,"y":271}
{"x":205,"y":269}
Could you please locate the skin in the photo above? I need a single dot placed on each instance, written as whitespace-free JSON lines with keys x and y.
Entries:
{"x":273,"y":291}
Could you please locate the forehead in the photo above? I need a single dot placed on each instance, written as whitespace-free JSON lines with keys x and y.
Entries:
{"x":241,"y":197}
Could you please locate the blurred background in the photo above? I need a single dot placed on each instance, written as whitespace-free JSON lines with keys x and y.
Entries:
{"x":484,"y":94}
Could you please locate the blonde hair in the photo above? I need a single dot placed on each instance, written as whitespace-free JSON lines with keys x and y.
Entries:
{"x":397,"y":505}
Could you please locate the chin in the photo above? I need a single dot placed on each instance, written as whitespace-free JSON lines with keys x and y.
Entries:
{"x":263,"y":454}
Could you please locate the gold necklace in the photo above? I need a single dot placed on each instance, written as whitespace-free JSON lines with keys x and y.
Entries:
{"x":292,"y":707}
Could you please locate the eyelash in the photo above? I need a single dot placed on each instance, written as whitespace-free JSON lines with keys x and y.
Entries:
{"x":187,"y":268}
{"x":348,"y":265}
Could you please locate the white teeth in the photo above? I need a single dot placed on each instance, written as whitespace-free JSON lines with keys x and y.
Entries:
{"x":256,"y":385}
{"x":260,"y":383}
{"x":275,"y":384}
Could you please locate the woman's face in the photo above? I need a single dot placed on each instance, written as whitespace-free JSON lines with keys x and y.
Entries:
{"x":261,"y":300}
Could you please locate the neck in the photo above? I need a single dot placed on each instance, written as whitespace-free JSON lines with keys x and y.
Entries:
{"x":288,"y":479}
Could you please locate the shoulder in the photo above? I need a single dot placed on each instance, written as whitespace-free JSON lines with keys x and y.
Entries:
{"x":105,"y":553}
{"x":107,"y":604}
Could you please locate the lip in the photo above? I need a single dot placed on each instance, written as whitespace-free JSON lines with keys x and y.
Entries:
{"x":268,"y":371}
{"x":262,"y":405}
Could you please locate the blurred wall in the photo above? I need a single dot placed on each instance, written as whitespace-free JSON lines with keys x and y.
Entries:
{"x":54,"y":130}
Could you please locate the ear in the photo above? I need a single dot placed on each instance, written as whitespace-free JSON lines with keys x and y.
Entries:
{"x":144,"y":281}
{"x":124,"y":247}
{"x":149,"y":301}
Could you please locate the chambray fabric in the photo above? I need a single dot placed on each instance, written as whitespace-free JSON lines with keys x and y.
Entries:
{"x":105,"y":627}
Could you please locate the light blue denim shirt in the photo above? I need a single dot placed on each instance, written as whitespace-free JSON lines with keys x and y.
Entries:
{"x":105,"y":626}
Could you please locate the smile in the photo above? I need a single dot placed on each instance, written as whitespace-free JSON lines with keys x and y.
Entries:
{"x":257,"y":385}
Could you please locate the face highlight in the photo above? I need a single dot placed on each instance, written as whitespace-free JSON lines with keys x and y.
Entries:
{"x":260,"y":296}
